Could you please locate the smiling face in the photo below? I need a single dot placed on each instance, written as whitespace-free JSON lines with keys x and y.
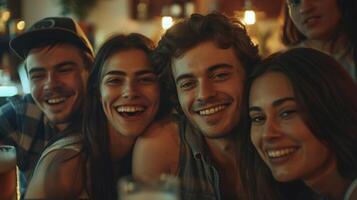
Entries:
{"x":129,"y":92}
{"x":280,"y":135}
{"x":57,"y":81}
{"x":316,"y":19}
{"x":209,"y":83}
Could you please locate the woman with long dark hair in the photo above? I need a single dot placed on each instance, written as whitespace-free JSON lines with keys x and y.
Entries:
{"x":122,"y":99}
{"x":326,"y":25}
{"x":299,"y":117}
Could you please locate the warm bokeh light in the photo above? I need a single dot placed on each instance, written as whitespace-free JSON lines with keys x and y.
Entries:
{"x":5,"y":16}
{"x":166,"y":22}
{"x":249,"y":17}
{"x":20,"y":25}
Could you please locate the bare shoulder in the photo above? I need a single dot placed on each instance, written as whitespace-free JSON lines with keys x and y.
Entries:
{"x":59,"y":174}
{"x":157,"y":150}
{"x":161,"y":128}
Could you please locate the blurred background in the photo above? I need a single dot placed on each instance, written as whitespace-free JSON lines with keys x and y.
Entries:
{"x":102,"y":18}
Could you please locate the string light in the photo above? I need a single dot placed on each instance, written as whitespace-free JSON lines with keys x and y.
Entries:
{"x":249,"y":17}
{"x":20,"y":25}
{"x":249,"y":14}
{"x":166,"y":22}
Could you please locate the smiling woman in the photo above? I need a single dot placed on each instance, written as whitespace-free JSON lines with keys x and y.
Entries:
{"x":299,"y":119}
{"x":123,"y":98}
{"x":326,"y":25}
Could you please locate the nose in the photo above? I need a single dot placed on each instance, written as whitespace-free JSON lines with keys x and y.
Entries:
{"x":130,"y":91}
{"x":306,"y":6}
{"x":205,"y":90}
{"x":51,"y":81}
{"x":271,"y":130}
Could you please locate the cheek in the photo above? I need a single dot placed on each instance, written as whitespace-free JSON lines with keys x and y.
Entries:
{"x":35,"y":89}
{"x":105,"y":95}
{"x":294,"y":16}
{"x":153,"y":94}
{"x":183,"y":99}
{"x":254,"y":137}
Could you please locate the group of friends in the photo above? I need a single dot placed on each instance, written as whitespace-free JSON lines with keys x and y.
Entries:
{"x":201,"y":105}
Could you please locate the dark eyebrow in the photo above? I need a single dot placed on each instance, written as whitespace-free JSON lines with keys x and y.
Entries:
{"x":210,"y":69}
{"x":184,"y":76}
{"x":275,"y":103}
{"x":65,"y":63}
{"x":143,"y":72}
{"x":282,"y":100}
{"x":122,"y":73}
{"x":219,"y":66}
{"x":58,"y":65}
{"x":36,"y":69}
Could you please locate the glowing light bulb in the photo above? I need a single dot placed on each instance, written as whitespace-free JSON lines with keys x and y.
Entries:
{"x":5,"y":16}
{"x":20,"y":25}
{"x":166,"y":22}
{"x":249,"y":17}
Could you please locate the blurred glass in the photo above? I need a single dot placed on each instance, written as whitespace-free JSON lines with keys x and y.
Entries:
{"x":7,"y":158}
{"x":165,"y":188}
{"x":9,"y":180}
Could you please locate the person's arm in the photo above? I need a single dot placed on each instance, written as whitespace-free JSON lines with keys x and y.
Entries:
{"x":58,"y":175}
{"x":8,"y":125}
{"x":157,"y":151}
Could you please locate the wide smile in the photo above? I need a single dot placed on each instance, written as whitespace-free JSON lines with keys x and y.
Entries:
{"x":56,"y":100}
{"x":130,"y":111}
{"x":279,"y":153}
{"x":211,"y":110}
{"x":311,"y":20}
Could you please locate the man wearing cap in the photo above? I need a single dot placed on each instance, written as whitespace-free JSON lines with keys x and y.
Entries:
{"x":57,"y":56}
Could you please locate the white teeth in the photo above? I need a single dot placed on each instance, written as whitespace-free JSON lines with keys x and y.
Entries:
{"x":56,"y":100}
{"x":213,"y":110}
{"x":280,"y":152}
{"x":130,"y":109}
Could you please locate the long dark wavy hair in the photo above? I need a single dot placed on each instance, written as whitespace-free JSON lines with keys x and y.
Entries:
{"x":186,"y":34}
{"x":327,"y":97}
{"x":348,"y":8}
{"x":96,"y":146}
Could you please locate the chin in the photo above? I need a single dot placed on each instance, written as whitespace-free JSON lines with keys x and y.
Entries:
{"x":133,"y":133}
{"x":60,"y":120}
{"x":283,"y":177}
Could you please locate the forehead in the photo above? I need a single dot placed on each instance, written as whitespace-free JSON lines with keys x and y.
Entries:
{"x":203,"y":56}
{"x":128,"y":61}
{"x":269,"y":87}
{"x":49,"y":56}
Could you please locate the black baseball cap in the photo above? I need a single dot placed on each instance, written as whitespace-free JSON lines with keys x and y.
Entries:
{"x":50,"y":28}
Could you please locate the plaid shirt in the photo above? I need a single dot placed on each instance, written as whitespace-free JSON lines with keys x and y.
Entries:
{"x":23,"y":125}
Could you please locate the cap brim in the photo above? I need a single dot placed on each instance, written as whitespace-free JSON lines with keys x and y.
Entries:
{"x":23,"y":43}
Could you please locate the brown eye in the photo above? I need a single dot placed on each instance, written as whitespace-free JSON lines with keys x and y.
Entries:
{"x":287,"y":114}
{"x":257,"y":119}
{"x":147,"y":79}
{"x":186,"y":85}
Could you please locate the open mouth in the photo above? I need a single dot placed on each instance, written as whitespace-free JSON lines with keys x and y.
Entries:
{"x":130,"y":111}
{"x":311,"y":20}
{"x":211,"y":110}
{"x":279,"y":153}
{"x":55,"y":101}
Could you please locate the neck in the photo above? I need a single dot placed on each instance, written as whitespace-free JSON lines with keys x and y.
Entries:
{"x":224,"y":156}
{"x":119,"y":145}
{"x":61,"y":127}
{"x":331,"y":46}
{"x":222,"y":148}
{"x":329,"y":183}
